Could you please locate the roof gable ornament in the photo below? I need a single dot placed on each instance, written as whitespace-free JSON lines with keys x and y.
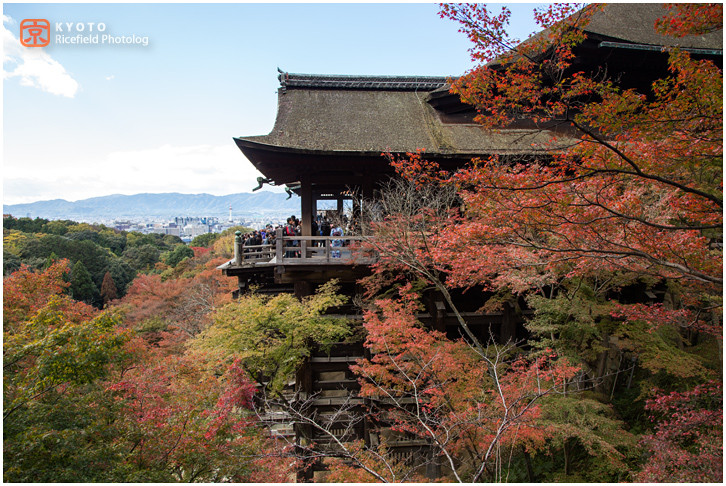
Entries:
{"x":283,"y":79}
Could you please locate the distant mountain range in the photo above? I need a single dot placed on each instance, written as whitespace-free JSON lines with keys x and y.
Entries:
{"x":167,"y":205}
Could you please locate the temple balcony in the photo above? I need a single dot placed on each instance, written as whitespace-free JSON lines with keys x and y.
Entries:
{"x":298,"y":261}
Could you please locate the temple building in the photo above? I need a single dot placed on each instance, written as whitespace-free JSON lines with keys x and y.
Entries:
{"x":327,"y":146}
{"x":331,"y":130}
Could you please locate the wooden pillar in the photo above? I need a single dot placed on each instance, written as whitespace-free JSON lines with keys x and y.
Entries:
{"x":508,"y":332}
{"x":302,"y":289}
{"x":315,"y":208}
{"x":340,"y":205}
{"x":306,"y":206}
{"x":437,"y":310}
{"x":433,"y":468}
{"x":367,"y":189}
{"x":279,"y":246}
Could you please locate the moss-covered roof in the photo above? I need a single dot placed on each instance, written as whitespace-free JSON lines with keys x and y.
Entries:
{"x":635,"y":23}
{"x":334,"y":116}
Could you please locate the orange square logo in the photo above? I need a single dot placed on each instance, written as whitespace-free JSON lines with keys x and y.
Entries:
{"x":35,"y":32}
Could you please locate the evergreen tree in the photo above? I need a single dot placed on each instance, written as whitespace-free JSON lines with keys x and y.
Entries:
{"x":52,"y":258}
{"x":108,"y":289}
{"x":82,"y":287}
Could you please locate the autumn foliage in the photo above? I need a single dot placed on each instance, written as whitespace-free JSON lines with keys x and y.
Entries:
{"x":433,"y":388}
{"x":626,"y":195}
{"x":634,"y":186}
{"x":113,"y":396}
{"x":687,"y":445}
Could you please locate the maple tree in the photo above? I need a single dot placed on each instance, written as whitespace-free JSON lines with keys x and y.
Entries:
{"x":183,"y":423}
{"x":687,"y":445}
{"x":469,"y":407}
{"x":639,"y":189}
{"x":55,"y":352}
{"x":591,"y":440}
{"x":170,"y":310}
{"x":88,"y":399}
{"x":626,"y":195}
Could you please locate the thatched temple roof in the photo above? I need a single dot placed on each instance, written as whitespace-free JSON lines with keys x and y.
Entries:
{"x":364,"y":114}
{"x":320,"y":116}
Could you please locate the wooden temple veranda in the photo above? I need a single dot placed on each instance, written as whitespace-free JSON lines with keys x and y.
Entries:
{"x":327,"y":145}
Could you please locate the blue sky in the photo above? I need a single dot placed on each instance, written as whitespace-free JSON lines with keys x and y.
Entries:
{"x":85,"y":120}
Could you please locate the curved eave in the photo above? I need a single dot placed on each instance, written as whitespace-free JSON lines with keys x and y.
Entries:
{"x":250,"y":148}
{"x":248,"y":144}
{"x":287,"y":165}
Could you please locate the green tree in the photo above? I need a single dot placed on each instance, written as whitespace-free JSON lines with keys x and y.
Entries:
{"x":205,"y":240}
{"x":55,"y":228}
{"x":142,"y":258}
{"x":169,"y":241}
{"x":135,"y":239}
{"x":272,"y":335}
{"x":179,"y":253}
{"x":11,"y":263}
{"x":82,"y":287}
{"x":122,"y":273}
{"x":82,"y":235}
{"x":26,"y":225}
{"x":52,"y":258}
{"x":113,"y":240}
{"x":587,"y":440}
{"x":94,"y":257}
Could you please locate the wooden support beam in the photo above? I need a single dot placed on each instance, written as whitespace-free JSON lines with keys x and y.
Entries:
{"x":306,"y":206}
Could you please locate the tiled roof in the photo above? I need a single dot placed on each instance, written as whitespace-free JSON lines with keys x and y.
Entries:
{"x":387,"y":83}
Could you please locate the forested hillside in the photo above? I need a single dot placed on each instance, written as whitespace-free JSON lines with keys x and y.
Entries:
{"x":104,"y":261}
{"x":114,"y":395}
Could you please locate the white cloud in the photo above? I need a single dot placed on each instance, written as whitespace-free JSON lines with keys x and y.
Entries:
{"x":217,"y":170}
{"x":34,"y":66}
{"x":198,"y":168}
{"x":109,"y":78}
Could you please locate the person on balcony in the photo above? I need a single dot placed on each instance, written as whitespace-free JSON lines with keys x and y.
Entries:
{"x":324,"y":228}
{"x":292,"y":229}
{"x":336,"y":243}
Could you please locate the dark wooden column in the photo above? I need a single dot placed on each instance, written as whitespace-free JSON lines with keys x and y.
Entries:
{"x":306,"y":205}
{"x":367,"y":187}
{"x":508,"y":332}
{"x":340,"y":204}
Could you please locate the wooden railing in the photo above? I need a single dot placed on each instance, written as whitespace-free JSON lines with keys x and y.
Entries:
{"x":303,"y":250}
{"x":253,"y":254}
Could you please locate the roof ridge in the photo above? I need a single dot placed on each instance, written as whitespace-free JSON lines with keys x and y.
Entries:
{"x":346,"y":81}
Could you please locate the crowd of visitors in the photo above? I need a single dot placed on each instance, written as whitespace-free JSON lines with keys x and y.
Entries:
{"x":322,"y":225}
